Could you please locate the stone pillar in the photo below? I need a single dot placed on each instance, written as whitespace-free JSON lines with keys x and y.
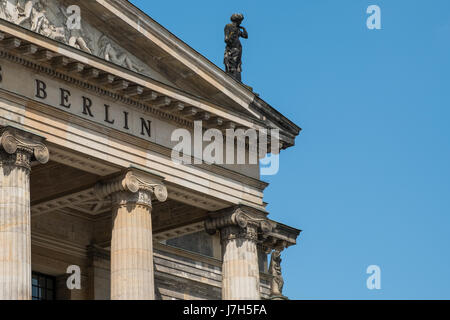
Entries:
{"x":131,"y":194}
{"x":240,"y":230}
{"x":17,"y":149}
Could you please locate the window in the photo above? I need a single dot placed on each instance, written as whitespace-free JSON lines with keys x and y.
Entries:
{"x":43,"y":287}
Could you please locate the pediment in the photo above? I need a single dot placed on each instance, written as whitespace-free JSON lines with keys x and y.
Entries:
{"x":116,"y":31}
{"x":49,"y":18}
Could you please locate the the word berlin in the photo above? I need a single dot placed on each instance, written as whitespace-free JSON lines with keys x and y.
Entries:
{"x":86,"y":108}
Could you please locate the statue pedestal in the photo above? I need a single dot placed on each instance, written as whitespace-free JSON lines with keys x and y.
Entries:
{"x":278,"y":298}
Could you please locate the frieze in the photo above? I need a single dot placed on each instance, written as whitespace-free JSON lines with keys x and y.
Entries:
{"x":107,"y":112}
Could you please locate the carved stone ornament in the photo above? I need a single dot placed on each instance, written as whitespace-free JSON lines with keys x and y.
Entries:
{"x":23,"y":147}
{"x":277,"y":283}
{"x":131,"y":187}
{"x":239,"y":222}
{"x":53,"y":20}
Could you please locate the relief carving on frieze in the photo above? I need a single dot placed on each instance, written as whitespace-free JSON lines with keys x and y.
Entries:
{"x":52,"y":19}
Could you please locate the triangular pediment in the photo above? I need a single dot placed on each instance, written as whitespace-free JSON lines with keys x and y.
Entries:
{"x":50,"y":18}
{"x":116,"y":31}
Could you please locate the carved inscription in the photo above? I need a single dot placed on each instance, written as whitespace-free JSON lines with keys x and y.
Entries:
{"x":86,"y":107}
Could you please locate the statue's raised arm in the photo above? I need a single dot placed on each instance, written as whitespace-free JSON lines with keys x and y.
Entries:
{"x":243,"y":33}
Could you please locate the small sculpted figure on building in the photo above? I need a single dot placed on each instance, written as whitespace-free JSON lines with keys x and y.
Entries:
{"x":233,"y":51}
{"x":277,"y":278}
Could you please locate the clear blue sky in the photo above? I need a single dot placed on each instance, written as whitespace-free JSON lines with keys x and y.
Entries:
{"x":369,"y":178}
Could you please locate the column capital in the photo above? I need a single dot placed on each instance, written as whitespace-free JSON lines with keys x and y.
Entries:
{"x":133,"y":186}
{"x":25,"y":145}
{"x":239,"y":222}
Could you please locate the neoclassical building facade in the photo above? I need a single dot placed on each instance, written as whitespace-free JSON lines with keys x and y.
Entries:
{"x":87,"y":177}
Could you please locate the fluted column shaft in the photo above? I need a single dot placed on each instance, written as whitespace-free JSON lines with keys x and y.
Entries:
{"x":240,"y":269}
{"x":17,"y":149}
{"x":15,"y":229}
{"x":132,"y":247}
{"x":131,"y":195}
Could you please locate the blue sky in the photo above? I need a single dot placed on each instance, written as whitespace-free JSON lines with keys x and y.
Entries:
{"x":369,"y":178}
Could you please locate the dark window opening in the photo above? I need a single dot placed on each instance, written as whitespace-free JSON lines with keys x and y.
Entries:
{"x":43,"y":287}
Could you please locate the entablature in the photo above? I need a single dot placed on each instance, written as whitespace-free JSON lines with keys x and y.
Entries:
{"x":105,"y":78}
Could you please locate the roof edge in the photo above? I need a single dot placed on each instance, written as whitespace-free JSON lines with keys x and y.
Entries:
{"x":255,"y":103}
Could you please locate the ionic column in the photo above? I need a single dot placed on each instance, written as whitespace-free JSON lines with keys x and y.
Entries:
{"x":132,"y":274}
{"x":240,"y":230}
{"x":17,"y":149}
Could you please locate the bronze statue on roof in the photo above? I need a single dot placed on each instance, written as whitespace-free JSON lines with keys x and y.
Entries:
{"x":233,"y":51}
